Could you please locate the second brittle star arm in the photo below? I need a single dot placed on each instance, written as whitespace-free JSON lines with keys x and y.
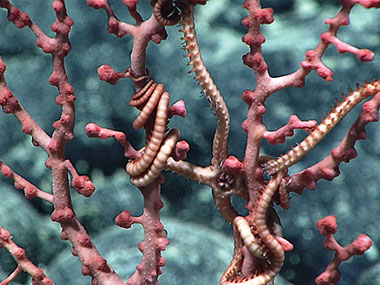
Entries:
{"x":329,"y":123}
{"x":264,"y":245}
{"x":220,"y":142}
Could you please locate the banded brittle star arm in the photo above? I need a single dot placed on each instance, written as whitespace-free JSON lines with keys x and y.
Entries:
{"x":328,"y":124}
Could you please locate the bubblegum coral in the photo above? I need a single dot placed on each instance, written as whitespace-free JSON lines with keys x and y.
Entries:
{"x":257,"y":179}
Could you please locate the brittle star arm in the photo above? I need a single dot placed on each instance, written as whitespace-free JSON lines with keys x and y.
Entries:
{"x":209,"y":175}
{"x":328,"y":168}
{"x":329,"y":123}
{"x":204,"y":175}
{"x":258,"y":245}
{"x":220,"y":142}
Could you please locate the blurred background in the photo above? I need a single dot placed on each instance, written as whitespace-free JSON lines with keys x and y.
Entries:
{"x":201,"y":241}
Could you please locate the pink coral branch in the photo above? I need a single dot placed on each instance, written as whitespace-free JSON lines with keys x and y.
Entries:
{"x":115,"y":26}
{"x":11,"y":105}
{"x":313,"y":60}
{"x":108,"y":74}
{"x":313,"y":57}
{"x":143,"y":32}
{"x":155,"y":236}
{"x":93,"y":263}
{"x":24,"y":264}
{"x":125,"y":220}
{"x":30,"y":190}
{"x":81,"y":183}
{"x":328,"y":227}
{"x":58,"y":47}
{"x":280,"y":135}
{"x":94,"y":131}
{"x":11,"y":276}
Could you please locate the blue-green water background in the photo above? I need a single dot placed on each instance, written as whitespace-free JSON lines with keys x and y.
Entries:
{"x":201,"y":242}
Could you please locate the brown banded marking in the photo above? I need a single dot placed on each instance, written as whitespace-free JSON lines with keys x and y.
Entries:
{"x":220,"y":147}
{"x":332,"y":119}
{"x":152,"y":98}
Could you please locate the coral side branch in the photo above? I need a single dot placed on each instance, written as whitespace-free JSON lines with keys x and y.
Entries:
{"x":108,"y":74}
{"x":220,"y":143}
{"x":30,"y":190}
{"x":280,"y":135}
{"x":328,"y":227}
{"x":115,"y":26}
{"x":82,"y":184}
{"x":11,"y":105}
{"x":11,"y":276}
{"x":24,"y":264}
{"x":126,"y":220}
{"x":313,"y":58}
{"x":58,"y":47}
{"x":332,"y":119}
{"x":95,"y":131}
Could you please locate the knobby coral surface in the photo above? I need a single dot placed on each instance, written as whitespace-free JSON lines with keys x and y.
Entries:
{"x":246,"y":183}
